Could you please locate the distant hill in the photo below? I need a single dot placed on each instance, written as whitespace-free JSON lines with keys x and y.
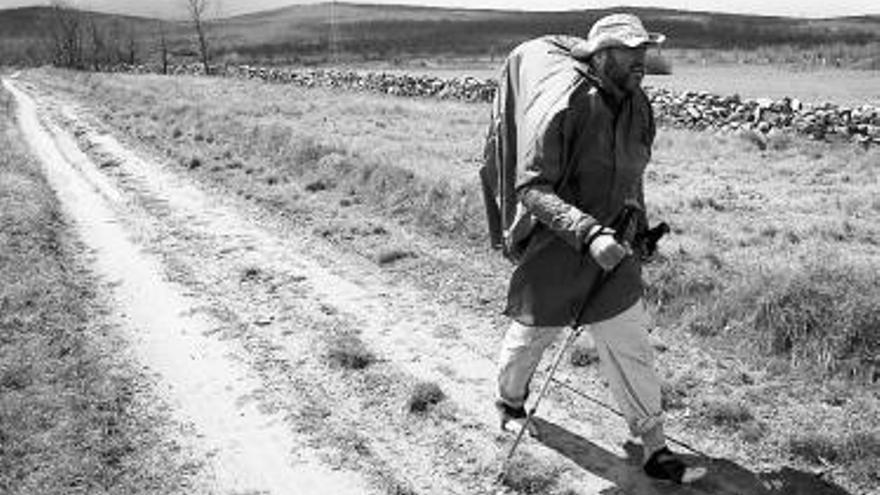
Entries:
{"x":383,"y":32}
{"x":303,"y":32}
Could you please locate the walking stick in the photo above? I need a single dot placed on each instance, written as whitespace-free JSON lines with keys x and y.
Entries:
{"x":572,"y":336}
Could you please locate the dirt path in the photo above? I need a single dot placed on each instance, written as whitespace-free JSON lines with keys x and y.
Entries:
{"x":235,"y":313}
{"x":202,"y":377}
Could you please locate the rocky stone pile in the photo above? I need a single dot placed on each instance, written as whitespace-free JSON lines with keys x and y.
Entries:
{"x":702,"y":110}
{"x":690,"y":109}
{"x":460,"y":88}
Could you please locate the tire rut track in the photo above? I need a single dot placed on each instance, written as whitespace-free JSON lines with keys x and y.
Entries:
{"x":249,"y":450}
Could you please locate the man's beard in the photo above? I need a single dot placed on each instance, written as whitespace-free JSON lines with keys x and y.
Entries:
{"x":624,"y":78}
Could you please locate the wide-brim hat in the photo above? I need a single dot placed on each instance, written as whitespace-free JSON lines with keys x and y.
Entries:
{"x":615,"y":30}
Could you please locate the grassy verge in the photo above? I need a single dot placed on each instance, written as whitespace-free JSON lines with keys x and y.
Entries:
{"x":771,"y":268}
{"x":72,"y":420}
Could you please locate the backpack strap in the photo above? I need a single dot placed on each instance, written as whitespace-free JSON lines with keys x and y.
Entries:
{"x":568,"y":172}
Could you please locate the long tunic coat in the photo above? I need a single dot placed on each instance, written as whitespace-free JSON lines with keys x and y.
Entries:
{"x":586,"y":166}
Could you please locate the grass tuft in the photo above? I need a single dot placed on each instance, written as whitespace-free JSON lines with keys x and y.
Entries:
{"x":15,"y":377}
{"x":423,"y":396}
{"x":679,"y":282}
{"x":322,"y":184}
{"x":526,"y":474}
{"x":826,"y":316}
{"x":753,"y":431}
{"x":192,"y":162}
{"x":583,"y":356}
{"x":399,"y":488}
{"x":350,"y":353}
{"x":251,"y":274}
{"x":673,"y":395}
{"x":704,"y":203}
{"x":311,"y":151}
{"x":726,"y":412}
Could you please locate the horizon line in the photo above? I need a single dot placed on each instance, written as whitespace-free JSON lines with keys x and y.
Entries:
{"x":454,"y":8}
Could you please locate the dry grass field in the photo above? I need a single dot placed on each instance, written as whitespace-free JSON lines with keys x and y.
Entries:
{"x":768,"y":290}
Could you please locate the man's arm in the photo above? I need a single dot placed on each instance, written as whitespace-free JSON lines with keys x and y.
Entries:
{"x":537,"y":184}
{"x":540,"y":177}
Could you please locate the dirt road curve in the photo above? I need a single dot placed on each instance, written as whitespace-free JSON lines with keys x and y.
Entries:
{"x":232,"y":311}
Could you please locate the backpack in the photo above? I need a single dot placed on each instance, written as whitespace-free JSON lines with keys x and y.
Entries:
{"x":536,"y":82}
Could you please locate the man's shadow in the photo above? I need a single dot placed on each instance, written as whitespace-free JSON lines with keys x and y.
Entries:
{"x":724,"y":477}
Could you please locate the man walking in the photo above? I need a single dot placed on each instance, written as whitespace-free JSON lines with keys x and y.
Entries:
{"x":581,"y":171}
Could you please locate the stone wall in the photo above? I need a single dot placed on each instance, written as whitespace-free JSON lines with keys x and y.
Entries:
{"x":690,"y":109}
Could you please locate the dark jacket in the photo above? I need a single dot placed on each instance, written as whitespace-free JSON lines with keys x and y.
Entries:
{"x":599,"y":146}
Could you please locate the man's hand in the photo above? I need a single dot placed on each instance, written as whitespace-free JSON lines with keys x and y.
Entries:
{"x":605,"y":249}
{"x":646,"y":242}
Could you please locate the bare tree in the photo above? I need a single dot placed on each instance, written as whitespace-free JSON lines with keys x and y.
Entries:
{"x":131,"y":45}
{"x":98,"y":46}
{"x":115,"y":40}
{"x":197,"y":10}
{"x":163,"y":47}
{"x":65,"y":28}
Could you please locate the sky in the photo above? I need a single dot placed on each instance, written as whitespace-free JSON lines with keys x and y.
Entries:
{"x":794,"y":8}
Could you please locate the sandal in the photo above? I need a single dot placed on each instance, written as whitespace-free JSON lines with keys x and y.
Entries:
{"x":664,"y":465}
{"x":508,"y":412}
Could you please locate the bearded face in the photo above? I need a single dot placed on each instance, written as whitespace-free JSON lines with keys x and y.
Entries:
{"x":624,"y":66}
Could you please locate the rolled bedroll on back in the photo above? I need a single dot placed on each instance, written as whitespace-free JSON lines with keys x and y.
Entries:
{"x":535,"y":84}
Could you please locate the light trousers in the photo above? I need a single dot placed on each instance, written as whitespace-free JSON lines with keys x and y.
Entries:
{"x":625,"y":355}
